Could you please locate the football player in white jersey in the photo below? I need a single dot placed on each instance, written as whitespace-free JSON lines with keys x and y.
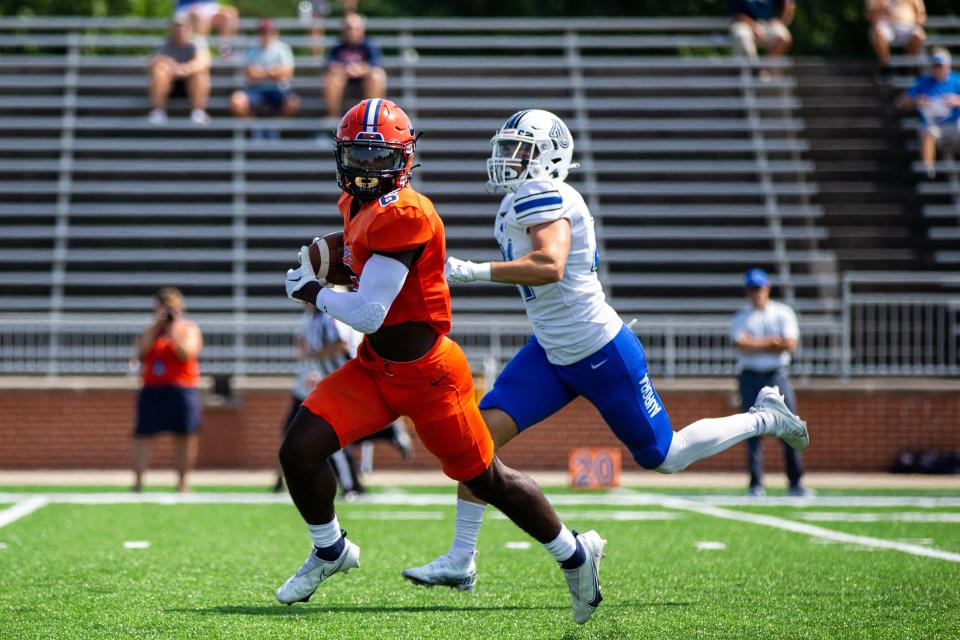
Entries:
{"x":580,"y":346}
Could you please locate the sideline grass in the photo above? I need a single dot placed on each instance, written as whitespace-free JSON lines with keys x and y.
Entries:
{"x":210,"y":571}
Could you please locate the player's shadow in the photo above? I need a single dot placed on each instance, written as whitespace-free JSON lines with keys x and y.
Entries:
{"x":279,"y":610}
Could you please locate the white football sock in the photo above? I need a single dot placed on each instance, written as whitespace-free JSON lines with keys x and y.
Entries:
{"x":707,"y":437}
{"x":563,"y":546}
{"x":469,"y":519}
{"x":324,"y":535}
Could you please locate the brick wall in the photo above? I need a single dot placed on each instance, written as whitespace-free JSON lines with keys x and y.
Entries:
{"x":858,"y":427}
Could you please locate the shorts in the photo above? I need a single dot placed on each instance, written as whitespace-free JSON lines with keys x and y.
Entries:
{"x":168,"y":409}
{"x":745,"y":41}
{"x":269,"y":98}
{"x":614,"y":379}
{"x":435,"y":392}
{"x":941,"y":131}
{"x":204,"y":10}
{"x":898,"y":35}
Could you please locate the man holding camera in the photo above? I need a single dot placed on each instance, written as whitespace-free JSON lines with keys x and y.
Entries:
{"x":169,"y":351}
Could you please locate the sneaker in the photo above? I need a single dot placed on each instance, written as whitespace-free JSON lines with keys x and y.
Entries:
{"x":199,"y":117}
{"x":783,"y":423}
{"x":757,"y":491}
{"x":584,"y":581}
{"x":301,"y":585}
{"x":800,"y":491}
{"x":931,"y":172}
{"x":157,"y":117}
{"x":445,"y":572}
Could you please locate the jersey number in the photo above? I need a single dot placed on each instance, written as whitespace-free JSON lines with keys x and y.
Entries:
{"x":388,"y":198}
{"x":526,"y":292}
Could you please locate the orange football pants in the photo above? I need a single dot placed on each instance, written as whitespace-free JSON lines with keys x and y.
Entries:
{"x":435,"y":392}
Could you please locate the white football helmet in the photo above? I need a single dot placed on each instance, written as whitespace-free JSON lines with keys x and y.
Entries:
{"x":532,"y":144}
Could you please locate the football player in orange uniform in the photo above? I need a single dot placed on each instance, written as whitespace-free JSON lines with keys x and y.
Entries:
{"x":394,"y":242}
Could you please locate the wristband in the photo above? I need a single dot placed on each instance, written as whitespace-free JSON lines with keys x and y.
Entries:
{"x":482,"y":271}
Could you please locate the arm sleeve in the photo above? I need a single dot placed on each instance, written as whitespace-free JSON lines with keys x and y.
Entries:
{"x":374,"y":57}
{"x":538,"y":202}
{"x":736,"y":327}
{"x":399,"y":229}
{"x":915,"y":88}
{"x":791,"y":330}
{"x":286,"y":56}
{"x":334,"y":52}
{"x":366,"y":308}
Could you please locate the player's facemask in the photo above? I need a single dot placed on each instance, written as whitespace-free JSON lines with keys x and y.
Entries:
{"x":367,"y":170}
{"x":513,"y":160}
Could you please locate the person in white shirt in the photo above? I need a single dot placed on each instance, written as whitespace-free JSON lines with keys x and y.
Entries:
{"x":765,"y":334}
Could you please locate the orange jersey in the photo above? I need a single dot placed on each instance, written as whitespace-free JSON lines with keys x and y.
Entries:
{"x":401,"y":221}
{"x":162,"y":367}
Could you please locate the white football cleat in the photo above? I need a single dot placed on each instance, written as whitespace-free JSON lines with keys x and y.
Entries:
{"x":445,"y":572}
{"x":584,"y":581}
{"x":301,"y":585}
{"x":784,"y":423}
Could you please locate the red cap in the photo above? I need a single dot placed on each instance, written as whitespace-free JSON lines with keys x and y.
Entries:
{"x":267,"y":25}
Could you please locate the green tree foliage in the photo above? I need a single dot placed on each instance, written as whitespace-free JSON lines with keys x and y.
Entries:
{"x":822,"y":27}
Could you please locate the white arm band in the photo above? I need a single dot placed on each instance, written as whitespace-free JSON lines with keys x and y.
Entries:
{"x":366,"y":308}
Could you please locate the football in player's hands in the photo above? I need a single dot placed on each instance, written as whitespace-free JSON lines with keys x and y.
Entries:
{"x":326,"y":258}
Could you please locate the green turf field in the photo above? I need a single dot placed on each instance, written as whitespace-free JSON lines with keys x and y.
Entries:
{"x":814,"y":569}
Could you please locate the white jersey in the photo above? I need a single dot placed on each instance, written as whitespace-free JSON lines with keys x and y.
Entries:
{"x":571,"y":318}
{"x":777,"y":320}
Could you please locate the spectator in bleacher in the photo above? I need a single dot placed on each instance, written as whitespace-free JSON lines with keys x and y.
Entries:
{"x":313,"y":15}
{"x":765,"y":335}
{"x":180,"y":67}
{"x":356,"y":60}
{"x":936,"y":97}
{"x":269,"y":71}
{"x":761,"y":22}
{"x":206,"y":13}
{"x":895,"y":23}
{"x":169,"y":352}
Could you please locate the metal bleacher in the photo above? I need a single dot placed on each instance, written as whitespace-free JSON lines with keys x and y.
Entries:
{"x":693,"y":166}
{"x":940,"y":197}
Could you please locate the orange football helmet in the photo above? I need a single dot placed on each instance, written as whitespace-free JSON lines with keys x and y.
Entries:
{"x":374,"y":151}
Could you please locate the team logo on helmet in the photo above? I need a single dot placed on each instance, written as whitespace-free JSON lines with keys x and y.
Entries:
{"x":559,"y":133}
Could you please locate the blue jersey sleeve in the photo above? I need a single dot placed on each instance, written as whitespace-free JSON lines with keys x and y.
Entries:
{"x":538,"y":201}
{"x":374,"y":55}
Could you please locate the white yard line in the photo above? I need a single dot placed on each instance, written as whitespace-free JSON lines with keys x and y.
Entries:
{"x":810,"y":530}
{"x":24,"y":506}
{"x":896,"y":516}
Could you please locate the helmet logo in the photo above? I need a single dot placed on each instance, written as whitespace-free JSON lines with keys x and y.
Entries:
{"x":559,"y":133}
{"x":368,"y":135}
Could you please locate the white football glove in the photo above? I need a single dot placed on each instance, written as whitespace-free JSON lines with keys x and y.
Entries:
{"x":298,"y":278}
{"x":466,"y":271}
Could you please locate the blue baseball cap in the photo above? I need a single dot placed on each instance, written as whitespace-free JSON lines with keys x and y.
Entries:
{"x":940,"y":56}
{"x":755,"y":278}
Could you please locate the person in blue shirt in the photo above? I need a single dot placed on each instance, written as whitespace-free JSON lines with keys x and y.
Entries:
{"x":937,"y":99}
{"x":269,"y":68}
{"x":356,"y":59}
{"x":762,"y":22}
